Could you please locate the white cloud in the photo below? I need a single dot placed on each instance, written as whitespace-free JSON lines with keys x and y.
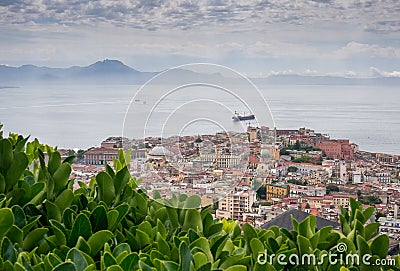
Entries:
{"x":371,"y":50}
{"x":377,"y":72}
{"x":187,"y":14}
{"x":277,"y":35}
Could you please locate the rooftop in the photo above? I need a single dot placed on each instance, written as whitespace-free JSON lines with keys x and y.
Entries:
{"x":285,"y":220}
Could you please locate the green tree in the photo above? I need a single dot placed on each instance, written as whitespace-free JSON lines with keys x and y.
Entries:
{"x":261,"y":192}
{"x":332,"y":189}
{"x":297,"y":146}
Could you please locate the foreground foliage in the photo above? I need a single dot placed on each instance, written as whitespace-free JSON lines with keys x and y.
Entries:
{"x":110,"y":224}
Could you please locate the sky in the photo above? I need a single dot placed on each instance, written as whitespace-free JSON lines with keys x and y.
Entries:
{"x":352,"y":38}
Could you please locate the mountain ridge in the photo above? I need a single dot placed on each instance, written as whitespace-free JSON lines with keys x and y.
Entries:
{"x":112,"y":71}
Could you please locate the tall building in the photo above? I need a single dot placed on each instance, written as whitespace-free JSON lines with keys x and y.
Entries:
{"x":338,"y":168}
{"x":236,"y":203}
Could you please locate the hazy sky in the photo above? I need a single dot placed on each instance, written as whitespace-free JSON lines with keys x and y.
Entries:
{"x":344,"y":37}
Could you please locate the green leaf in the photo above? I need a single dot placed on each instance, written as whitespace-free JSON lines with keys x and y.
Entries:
{"x":2,"y":185}
{"x":16,"y":169}
{"x":59,"y":232}
{"x":354,"y":205}
{"x":231,"y":261}
{"x":20,"y":145}
{"x":30,"y":224}
{"x":156,"y":195}
{"x":123,"y":210}
{"x":106,"y":187}
{"x":19,"y":216}
{"x":170,"y":266}
{"x":144,"y":266}
{"x":98,"y":218}
{"x":192,"y":202}
{"x":6,"y":155}
{"x":97,"y":241}
{"x":53,"y":212}
{"x":67,"y":266}
{"x":64,"y":200}
{"x":362,"y":245}
{"x":109,"y":170}
{"x":121,"y":180}
{"x":380,"y":246}
{"x":130,"y":262}
{"x":273,"y":244}
{"x":185,"y":257}
{"x":371,"y":230}
{"x":6,"y":221}
{"x":114,"y":268}
{"x":368,"y":212}
{"x":162,"y":245}
{"x":68,"y":218}
{"x":70,"y":159}
{"x":249,"y":233}
{"x":161,"y":228}
{"x":77,"y":257}
{"x":83,"y":246}
{"x":305,"y":227}
{"x":217,"y":244}
{"x":204,"y":245}
{"x":15,"y":234}
{"x":54,"y":162}
{"x":37,"y":191}
{"x":81,"y":227}
{"x":192,"y":220}
{"x":256,"y":247}
{"x":304,"y":245}
{"x":237,"y":268}
{"x":200,"y":259}
{"x":61,"y":177}
{"x":8,"y":252}
{"x":108,"y":260}
{"x":112,"y":218}
{"x":124,"y":247}
{"x":142,"y":238}
{"x":33,"y":238}
{"x":173,"y":216}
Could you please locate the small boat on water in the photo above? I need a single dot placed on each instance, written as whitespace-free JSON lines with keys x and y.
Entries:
{"x":238,"y":117}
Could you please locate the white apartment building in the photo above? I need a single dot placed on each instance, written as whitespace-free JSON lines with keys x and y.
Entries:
{"x":236,"y":203}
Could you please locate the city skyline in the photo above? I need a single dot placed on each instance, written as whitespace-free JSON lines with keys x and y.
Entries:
{"x":344,"y":38}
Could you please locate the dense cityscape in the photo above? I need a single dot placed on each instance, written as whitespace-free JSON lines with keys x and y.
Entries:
{"x":301,"y":171}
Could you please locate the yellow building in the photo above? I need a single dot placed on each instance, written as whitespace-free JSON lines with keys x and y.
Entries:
{"x":276,"y":191}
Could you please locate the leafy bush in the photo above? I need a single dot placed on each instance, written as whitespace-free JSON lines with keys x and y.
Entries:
{"x":112,"y":225}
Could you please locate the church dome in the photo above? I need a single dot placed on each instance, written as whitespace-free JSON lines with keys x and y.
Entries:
{"x":160,"y":151}
{"x":265,"y":153}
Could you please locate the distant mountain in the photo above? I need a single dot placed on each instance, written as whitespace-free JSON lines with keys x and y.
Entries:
{"x":115,"y":72}
{"x":102,"y":72}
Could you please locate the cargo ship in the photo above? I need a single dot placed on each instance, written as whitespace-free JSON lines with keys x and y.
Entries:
{"x":238,"y":117}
